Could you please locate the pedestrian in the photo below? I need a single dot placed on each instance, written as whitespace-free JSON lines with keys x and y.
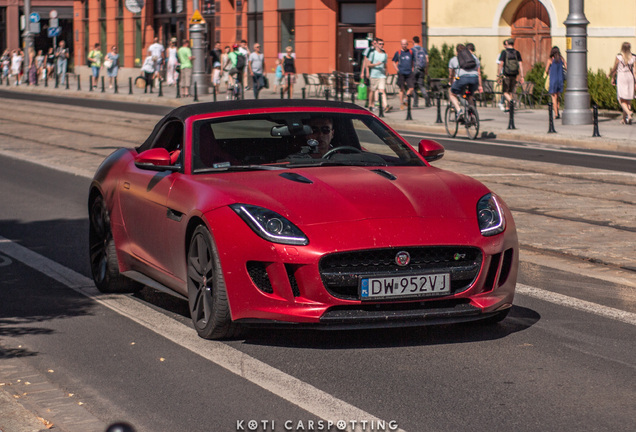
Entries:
{"x":172,"y":74}
{"x":365,"y":70}
{"x":112,"y":65}
{"x":148,"y":70}
{"x":226,"y":66}
{"x":278,"y":76}
{"x":50,"y":63}
{"x":216,"y":76}
{"x":95,"y":58}
{"x":5,"y":64}
{"x":184,"y":54}
{"x":404,"y":63}
{"x":62,"y":55}
{"x":421,"y":64}
{"x":622,"y":75}
{"x":40,"y":61}
{"x":239,"y":62}
{"x":157,"y":51}
{"x":244,"y":49}
{"x":555,"y":70}
{"x":289,"y":69}
{"x":33,"y":69}
{"x":377,"y":60}
{"x":16,"y":65}
{"x":256,"y":65}
{"x":216,"y":53}
{"x":511,"y":70}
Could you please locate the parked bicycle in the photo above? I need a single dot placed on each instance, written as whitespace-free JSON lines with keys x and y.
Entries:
{"x":469,"y":118}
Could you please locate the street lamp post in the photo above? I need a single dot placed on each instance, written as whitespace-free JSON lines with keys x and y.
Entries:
{"x":199,"y":52}
{"x":28,"y":38}
{"x":577,"y":98}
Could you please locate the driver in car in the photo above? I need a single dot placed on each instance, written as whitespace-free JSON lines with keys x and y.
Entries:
{"x":322,"y":133}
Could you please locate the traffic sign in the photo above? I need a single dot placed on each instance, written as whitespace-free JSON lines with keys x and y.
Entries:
{"x":53,"y":14}
{"x":54,"y":22}
{"x":54,"y":31}
{"x":197,"y":18}
{"x":34,"y":17}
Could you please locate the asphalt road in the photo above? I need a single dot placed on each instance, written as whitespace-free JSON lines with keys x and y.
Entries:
{"x":549,"y":366}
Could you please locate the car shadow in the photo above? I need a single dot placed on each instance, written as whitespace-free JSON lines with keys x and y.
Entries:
{"x":519,"y":319}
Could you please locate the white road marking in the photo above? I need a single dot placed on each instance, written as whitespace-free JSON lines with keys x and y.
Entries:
{"x":574,"y":303}
{"x":297,"y":392}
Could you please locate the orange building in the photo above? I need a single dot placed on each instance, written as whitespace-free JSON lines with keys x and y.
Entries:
{"x":326,"y":35}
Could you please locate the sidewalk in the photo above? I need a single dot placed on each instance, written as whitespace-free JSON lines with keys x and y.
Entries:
{"x":531,"y":125}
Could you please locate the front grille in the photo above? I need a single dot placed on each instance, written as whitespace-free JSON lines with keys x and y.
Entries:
{"x":342,"y":271}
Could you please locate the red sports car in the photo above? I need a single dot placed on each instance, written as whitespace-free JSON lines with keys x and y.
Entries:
{"x":310,"y":213}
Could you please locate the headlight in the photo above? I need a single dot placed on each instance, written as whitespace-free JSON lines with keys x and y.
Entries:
{"x":270,"y":225}
{"x":490,"y":216}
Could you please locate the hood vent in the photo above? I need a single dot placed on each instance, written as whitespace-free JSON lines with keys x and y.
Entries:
{"x":385,"y":174}
{"x":295,"y":177}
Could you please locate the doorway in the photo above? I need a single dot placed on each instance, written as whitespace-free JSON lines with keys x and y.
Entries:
{"x":351,"y":43}
{"x":531,"y":31}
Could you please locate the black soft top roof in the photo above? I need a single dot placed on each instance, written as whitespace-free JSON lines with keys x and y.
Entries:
{"x":183,"y":112}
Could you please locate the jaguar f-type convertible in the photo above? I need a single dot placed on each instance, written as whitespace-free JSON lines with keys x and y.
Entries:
{"x":303,"y":213}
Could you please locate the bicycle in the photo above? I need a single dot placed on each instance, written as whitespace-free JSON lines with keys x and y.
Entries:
{"x":236,"y":90}
{"x":470,"y":119}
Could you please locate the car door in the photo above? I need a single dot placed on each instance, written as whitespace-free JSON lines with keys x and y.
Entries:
{"x":143,"y":198}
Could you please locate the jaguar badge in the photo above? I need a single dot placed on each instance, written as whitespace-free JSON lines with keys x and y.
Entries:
{"x":402,"y":258}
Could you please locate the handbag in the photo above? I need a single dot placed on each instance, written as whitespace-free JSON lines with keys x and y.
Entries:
{"x":108,"y":63}
{"x":265,"y":82}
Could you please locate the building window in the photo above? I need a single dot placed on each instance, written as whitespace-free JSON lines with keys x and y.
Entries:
{"x":86,"y":34}
{"x":255,"y":22}
{"x":138,"y":47}
{"x":357,"y":13}
{"x":120,"y":30}
{"x":287,"y":30}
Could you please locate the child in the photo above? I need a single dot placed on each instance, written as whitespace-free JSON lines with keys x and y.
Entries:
{"x":279,"y":76}
{"x":148,"y":69}
{"x":216,"y":76}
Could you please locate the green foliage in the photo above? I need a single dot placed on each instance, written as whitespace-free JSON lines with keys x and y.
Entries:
{"x":536,"y":75}
{"x":438,"y":61}
{"x":602,"y":91}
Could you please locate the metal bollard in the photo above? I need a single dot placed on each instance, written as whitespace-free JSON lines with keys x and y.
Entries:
{"x":595,"y":114}
{"x":289,"y":87}
{"x":214,"y":93}
{"x":439,"y":108}
{"x":116,"y":85}
{"x":46,"y":79}
{"x":196,"y":95}
{"x":511,"y":119}
{"x":178,"y":87}
{"x":381,"y":112}
{"x":353,"y":98}
{"x":103,"y":86}
{"x":326,"y":94}
{"x":303,"y":90}
{"x":67,"y":85}
{"x":282,"y":93}
{"x":160,"y":88}
{"x":130,"y":85}
{"x":90,"y":83}
{"x":551,"y":118}
{"x":408,"y":108}
{"x":79,"y":79}
{"x":57,"y":80}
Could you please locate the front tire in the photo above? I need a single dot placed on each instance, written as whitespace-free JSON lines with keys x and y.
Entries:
{"x":103,"y":253}
{"x":450,"y":121}
{"x":207,"y":295}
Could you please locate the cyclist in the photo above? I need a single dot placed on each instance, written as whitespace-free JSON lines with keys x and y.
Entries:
{"x":236,"y":72}
{"x":464,"y":72}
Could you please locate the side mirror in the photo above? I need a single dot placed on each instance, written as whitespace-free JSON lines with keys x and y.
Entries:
{"x":157,"y":159}
{"x":430,"y":150}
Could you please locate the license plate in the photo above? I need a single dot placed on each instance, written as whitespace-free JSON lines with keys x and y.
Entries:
{"x":405,"y":286}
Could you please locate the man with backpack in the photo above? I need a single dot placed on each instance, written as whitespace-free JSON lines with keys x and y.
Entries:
{"x":239,"y":61}
{"x":404,"y":62}
{"x":421,"y":62}
{"x":464,"y":72}
{"x":511,"y":67}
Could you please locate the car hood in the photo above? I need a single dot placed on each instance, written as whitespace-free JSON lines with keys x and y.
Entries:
{"x":339,"y":194}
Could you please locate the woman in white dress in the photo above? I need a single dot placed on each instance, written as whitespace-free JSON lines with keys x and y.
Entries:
{"x":172,"y":74}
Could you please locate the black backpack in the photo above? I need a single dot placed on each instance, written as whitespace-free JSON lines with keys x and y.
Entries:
{"x":511,"y":63}
{"x":420,"y":57}
{"x":466,"y":60}
{"x":240,"y":62}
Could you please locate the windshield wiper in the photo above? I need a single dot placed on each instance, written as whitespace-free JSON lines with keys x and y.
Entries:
{"x":235,"y":168}
{"x":321,"y":163}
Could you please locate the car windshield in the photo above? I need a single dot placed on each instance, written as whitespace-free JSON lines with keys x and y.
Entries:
{"x":296,"y":140}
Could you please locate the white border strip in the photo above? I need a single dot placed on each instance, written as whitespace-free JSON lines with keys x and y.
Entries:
{"x":287,"y":387}
{"x":574,"y":303}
